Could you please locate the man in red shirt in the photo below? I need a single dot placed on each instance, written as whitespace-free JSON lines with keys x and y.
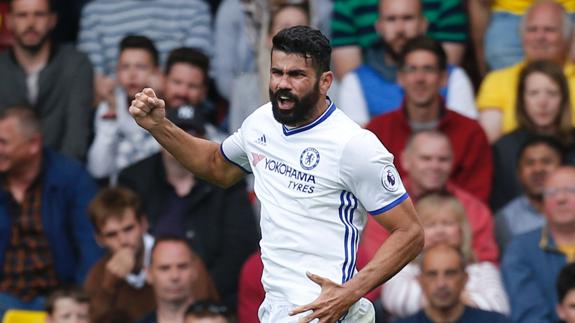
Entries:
{"x":422,"y":73}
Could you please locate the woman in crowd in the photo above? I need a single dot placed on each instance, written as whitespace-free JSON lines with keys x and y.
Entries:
{"x":543,"y":108}
{"x":444,"y":221}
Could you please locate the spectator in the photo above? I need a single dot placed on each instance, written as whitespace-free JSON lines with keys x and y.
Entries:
{"x":68,"y":305}
{"x":172,"y":275}
{"x":219,"y":223}
{"x":56,"y":80}
{"x":495,"y":29}
{"x":168,"y":23}
{"x":117,"y":282}
{"x":444,"y":280}
{"x":546,"y":33}
{"x":360,"y":91}
{"x":543,"y":108}
{"x":251,"y":292}
{"x":428,"y":161}
{"x":566,"y":294}
{"x":353,"y":29}
{"x":444,"y":221}
{"x":206,"y":312}
{"x":119,"y":141}
{"x":45,"y":233}
{"x":187,"y":85}
{"x":251,"y":90}
{"x":242,"y":27}
{"x":422,"y":67}
{"x":538,"y":157}
{"x":533,"y":260}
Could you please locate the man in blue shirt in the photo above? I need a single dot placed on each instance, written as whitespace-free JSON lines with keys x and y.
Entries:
{"x":533,"y":260}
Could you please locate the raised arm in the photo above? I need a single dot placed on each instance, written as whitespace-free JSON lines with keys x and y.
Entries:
{"x":201,"y":157}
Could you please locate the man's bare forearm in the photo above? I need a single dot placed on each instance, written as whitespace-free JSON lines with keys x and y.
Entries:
{"x":200,"y":156}
{"x":401,"y":247}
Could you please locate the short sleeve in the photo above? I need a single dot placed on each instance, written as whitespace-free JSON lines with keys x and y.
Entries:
{"x":234,"y":151}
{"x":490,"y":92}
{"x":368,"y":172}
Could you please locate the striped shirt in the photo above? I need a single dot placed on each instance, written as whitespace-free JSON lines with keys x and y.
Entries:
{"x":168,"y":23}
{"x":28,"y":269}
{"x":353,"y":21}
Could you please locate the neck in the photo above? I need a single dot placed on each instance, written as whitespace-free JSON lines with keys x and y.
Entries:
{"x":536,"y":201}
{"x":451,"y":314}
{"x":546,"y":130}
{"x":424,"y":113}
{"x":319,"y":109}
{"x":31,"y":61}
{"x":19,"y":180}
{"x":563,"y":234}
{"x":416,"y":191}
{"x":389,"y":59}
{"x":173,"y":312}
{"x":180,"y":178}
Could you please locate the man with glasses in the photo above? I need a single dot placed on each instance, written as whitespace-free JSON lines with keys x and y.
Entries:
{"x":533,"y":260}
{"x":423,"y":71}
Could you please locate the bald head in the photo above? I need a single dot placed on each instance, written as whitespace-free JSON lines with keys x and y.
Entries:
{"x":546,"y":32}
{"x":427,"y":159}
{"x":559,"y":199}
{"x":399,"y":21}
{"x":443,"y":277}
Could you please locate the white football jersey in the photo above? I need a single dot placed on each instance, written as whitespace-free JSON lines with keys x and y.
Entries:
{"x":315,"y":184}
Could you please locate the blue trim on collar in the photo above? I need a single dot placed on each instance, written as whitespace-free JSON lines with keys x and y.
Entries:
{"x":330,"y":109}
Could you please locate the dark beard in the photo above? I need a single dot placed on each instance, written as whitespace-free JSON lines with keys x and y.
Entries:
{"x":302,"y":108}
{"x":390,"y":51}
{"x":34,"y":48}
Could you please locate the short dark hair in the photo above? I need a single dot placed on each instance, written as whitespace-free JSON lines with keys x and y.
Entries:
{"x":50,"y":5}
{"x":535,"y":140}
{"x":207,"y":308}
{"x":191,"y":56}
{"x":565,"y":281}
{"x":74,"y":292}
{"x":307,"y":42}
{"x":111,"y":202}
{"x":28,"y":120}
{"x":171,"y":238}
{"x":427,"y":44}
{"x":140,"y":42}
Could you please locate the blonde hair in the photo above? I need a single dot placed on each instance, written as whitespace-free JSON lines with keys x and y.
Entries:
{"x":429,"y":204}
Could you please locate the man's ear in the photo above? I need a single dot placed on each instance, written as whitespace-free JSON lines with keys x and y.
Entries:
{"x":423,"y":25}
{"x":325,"y":81}
{"x":53,"y":20}
{"x":144,"y":222}
{"x":149,"y":278}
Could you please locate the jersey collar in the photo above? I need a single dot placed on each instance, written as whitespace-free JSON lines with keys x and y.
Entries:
{"x":330,"y":109}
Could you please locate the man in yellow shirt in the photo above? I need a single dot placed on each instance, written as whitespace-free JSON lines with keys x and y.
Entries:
{"x":546,"y":34}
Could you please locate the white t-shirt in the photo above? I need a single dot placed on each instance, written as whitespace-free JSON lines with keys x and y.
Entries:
{"x":315,"y":184}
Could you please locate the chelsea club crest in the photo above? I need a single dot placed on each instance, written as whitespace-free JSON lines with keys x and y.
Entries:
{"x":309,"y":158}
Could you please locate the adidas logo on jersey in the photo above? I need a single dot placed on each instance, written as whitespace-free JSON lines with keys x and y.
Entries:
{"x":262,"y":140}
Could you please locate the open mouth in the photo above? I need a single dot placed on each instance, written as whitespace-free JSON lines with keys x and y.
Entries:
{"x":285,"y":102}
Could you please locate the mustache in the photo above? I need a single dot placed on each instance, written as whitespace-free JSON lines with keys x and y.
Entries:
{"x":31,"y":30}
{"x":285,"y":93}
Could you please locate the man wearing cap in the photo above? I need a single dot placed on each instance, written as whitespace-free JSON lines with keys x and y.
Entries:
{"x":218,"y":223}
